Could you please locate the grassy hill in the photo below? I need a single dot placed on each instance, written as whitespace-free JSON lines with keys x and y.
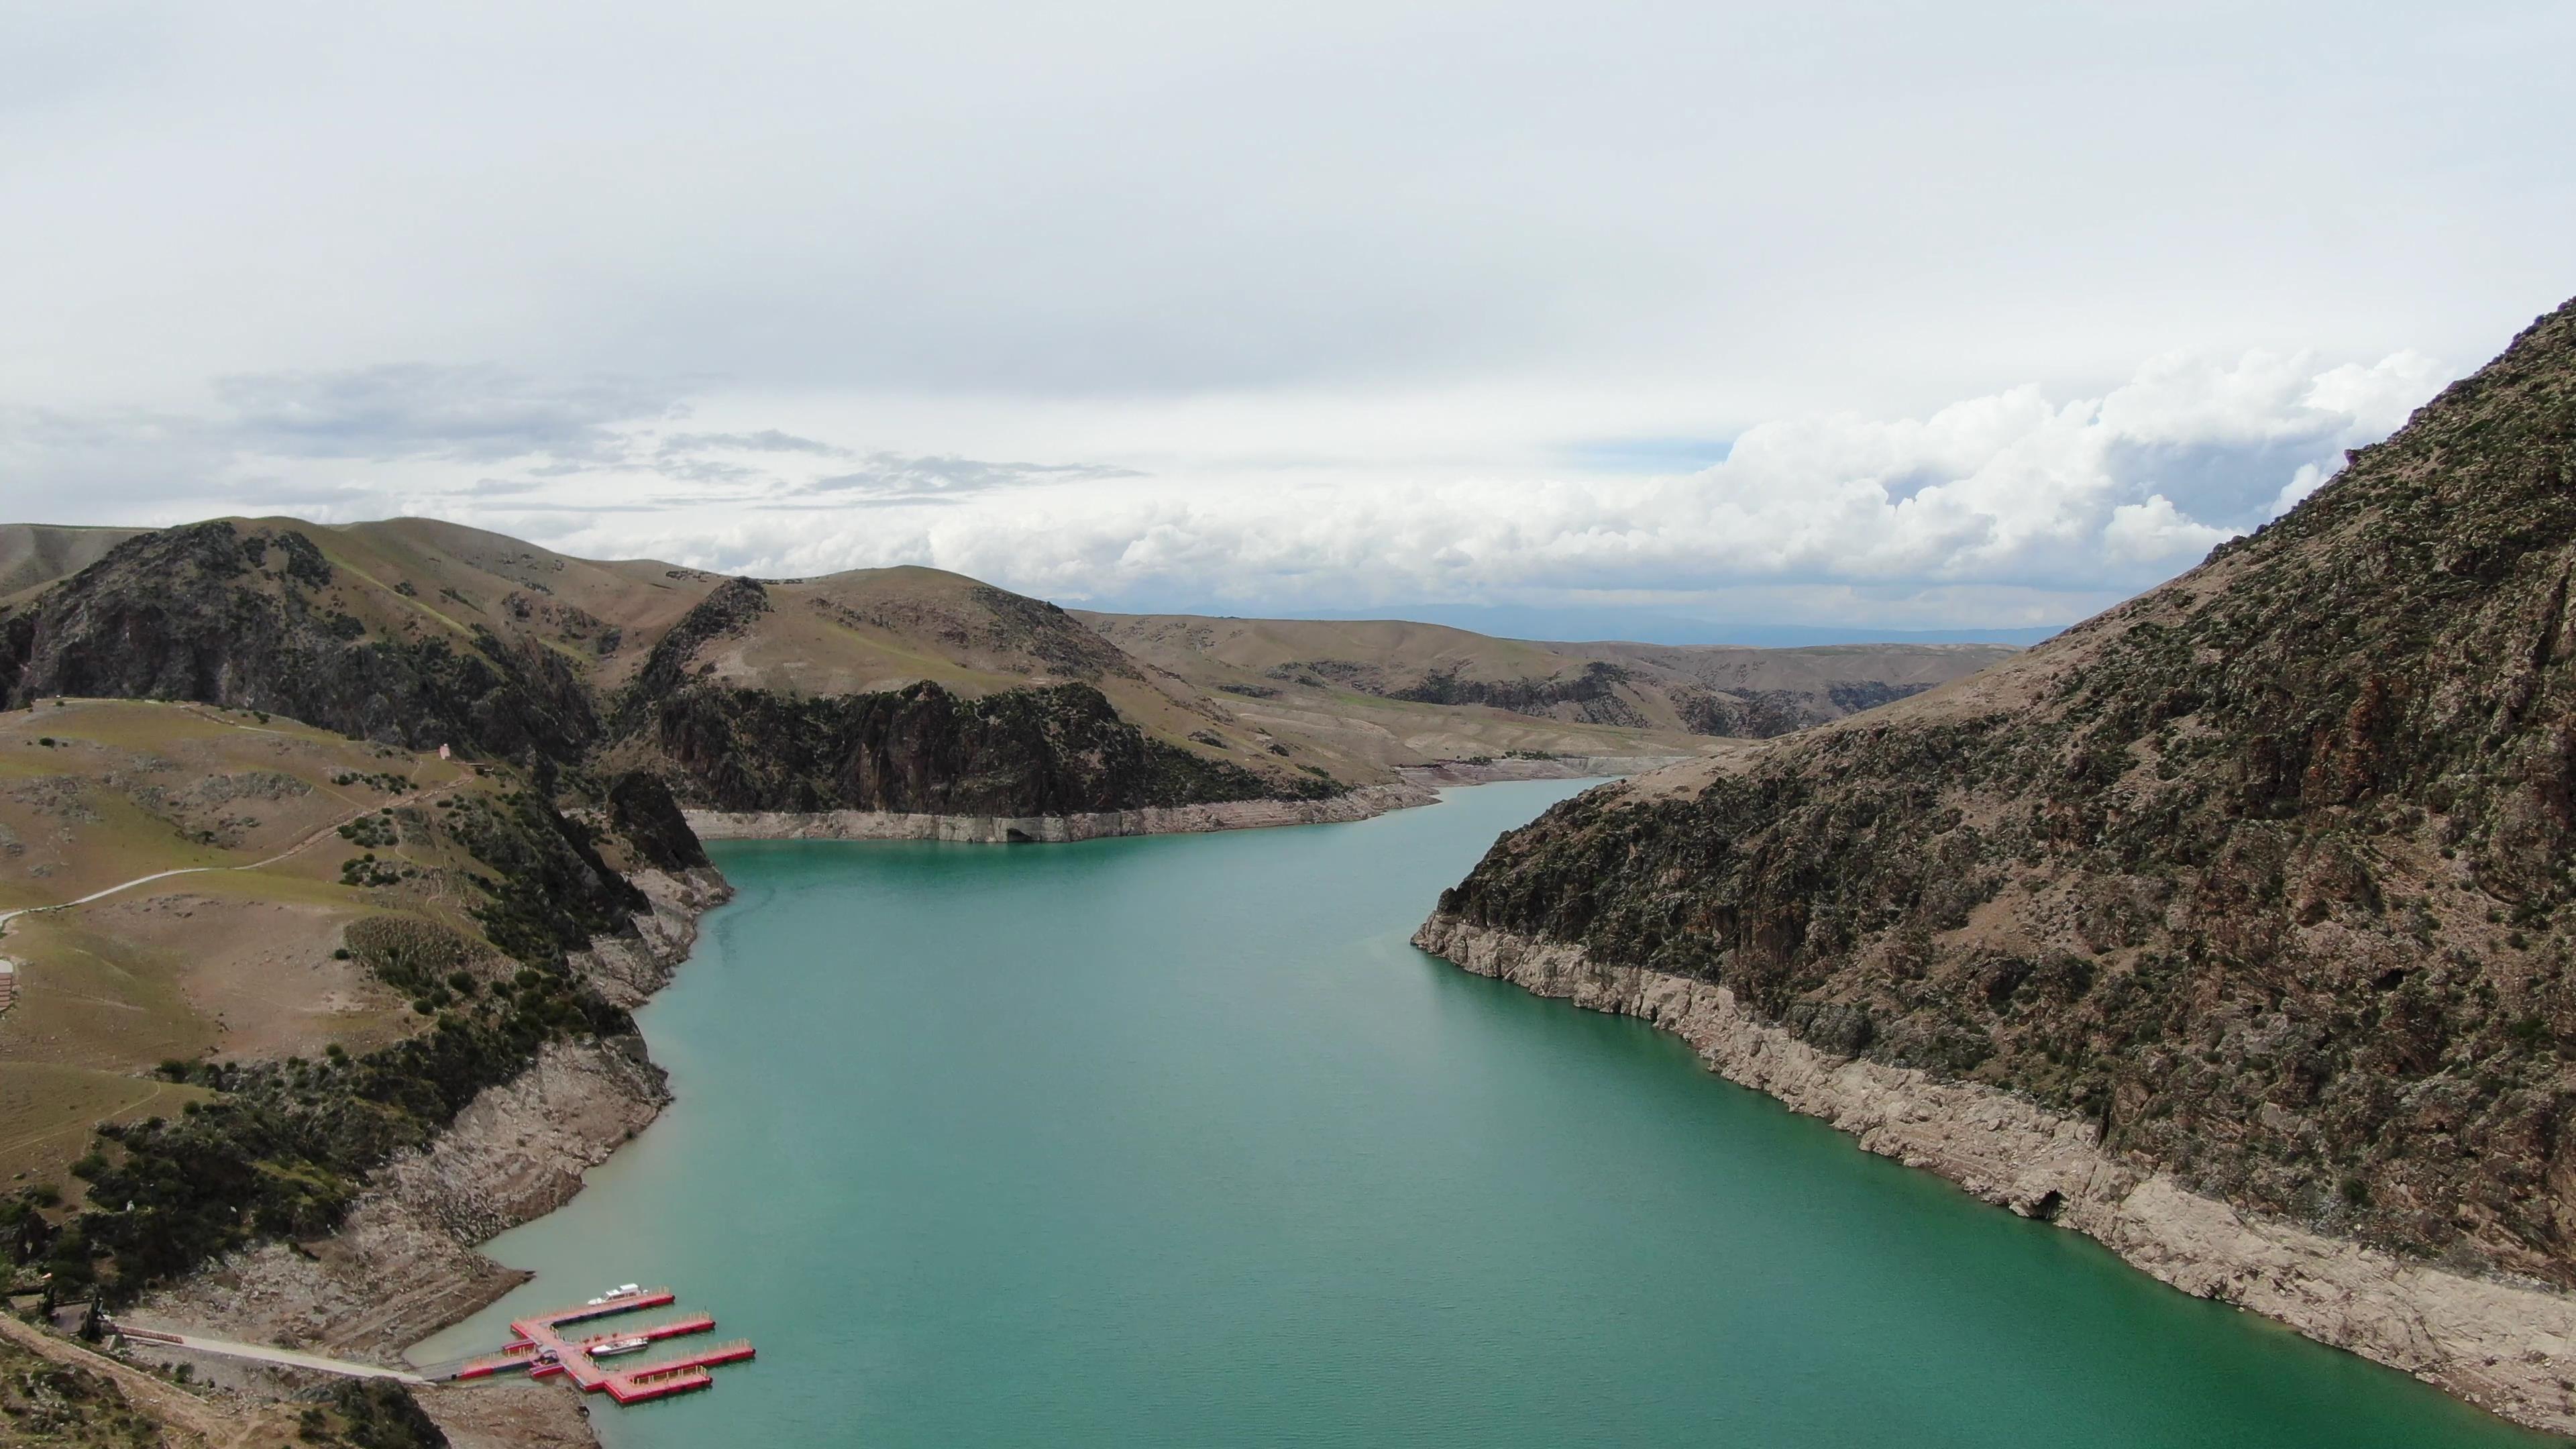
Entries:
{"x":329,"y":946}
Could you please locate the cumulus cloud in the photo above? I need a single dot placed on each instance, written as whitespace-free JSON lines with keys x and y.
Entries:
{"x":2028,"y":508}
{"x":2014,"y":507}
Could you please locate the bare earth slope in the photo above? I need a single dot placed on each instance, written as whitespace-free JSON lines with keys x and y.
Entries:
{"x":2259,"y":883}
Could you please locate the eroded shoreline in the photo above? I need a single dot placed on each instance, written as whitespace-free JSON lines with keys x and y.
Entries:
{"x":2505,"y":1347}
{"x":405,"y":1263}
{"x":1419,"y":786}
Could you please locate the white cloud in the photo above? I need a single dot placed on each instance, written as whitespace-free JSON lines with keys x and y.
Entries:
{"x":1334,"y":305}
{"x":2033,"y":509}
{"x":2156,"y":533}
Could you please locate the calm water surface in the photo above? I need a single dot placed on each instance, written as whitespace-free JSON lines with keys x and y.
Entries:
{"x":1175,"y":1141}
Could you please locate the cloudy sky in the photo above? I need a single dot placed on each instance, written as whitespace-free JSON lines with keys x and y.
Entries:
{"x":1670,"y":319}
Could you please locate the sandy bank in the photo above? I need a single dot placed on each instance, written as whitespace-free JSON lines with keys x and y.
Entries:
{"x":2508,"y":1347}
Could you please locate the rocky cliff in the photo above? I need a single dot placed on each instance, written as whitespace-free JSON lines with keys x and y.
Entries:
{"x":256,"y":617}
{"x":1043,"y":750}
{"x":2262,"y":878}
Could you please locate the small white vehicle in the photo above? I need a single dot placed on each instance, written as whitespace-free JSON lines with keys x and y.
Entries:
{"x":619,"y":1345}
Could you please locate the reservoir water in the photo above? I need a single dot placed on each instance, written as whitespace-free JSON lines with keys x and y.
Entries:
{"x":1175,"y":1141}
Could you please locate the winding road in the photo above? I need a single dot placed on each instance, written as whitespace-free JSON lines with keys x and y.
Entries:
{"x":262,"y":1353}
{"x":291,"y":851}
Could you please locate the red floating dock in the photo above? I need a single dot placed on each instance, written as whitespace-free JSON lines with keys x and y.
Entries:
{"x":540,"y":1349}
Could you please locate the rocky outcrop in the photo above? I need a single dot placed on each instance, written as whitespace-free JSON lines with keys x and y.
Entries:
{"x":1498,"y":769}
{"x":1061,"y":750}
{"x":642,"y":809}
{"x":1591,"y":694}
{"x":735,"y":606}
{"x":1359,"y":804}
{"x":257,"y":618}
{"x":627,"y":968}
{"x":1420,"y":786}
{"x":2508,"y":1346}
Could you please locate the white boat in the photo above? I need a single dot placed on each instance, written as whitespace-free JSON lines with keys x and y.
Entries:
{"x":620,"y":1345}
{"x":622,"y":1290}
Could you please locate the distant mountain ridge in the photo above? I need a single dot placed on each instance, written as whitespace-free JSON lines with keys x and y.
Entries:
{"x":423,"y":633}
{"x":1697,"y":690}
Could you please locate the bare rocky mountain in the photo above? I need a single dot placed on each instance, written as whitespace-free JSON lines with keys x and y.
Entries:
{"x":2261,"y":881}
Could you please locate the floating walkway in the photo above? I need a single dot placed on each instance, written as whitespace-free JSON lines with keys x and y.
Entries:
{"x":541,"y":1348}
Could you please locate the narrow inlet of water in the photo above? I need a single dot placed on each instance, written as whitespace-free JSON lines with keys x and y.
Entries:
{"x":1175,"y":1141}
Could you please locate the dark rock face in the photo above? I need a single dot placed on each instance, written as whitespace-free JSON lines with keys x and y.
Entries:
{"x":220,"y":615}
{"x":640,"y":808}
{"x":729,"y":610}
{"x":1053,"y":751}
{"x":257,"y":618}
{"x":1594,"y":694}
{"x":1762,"y":714}
{"x":1757,"y":714}
{"x":2268,"y":871}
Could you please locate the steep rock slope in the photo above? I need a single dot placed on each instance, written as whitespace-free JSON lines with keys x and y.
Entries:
{"x":2263,"y":875}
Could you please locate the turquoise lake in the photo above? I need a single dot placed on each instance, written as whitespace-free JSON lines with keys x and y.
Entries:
{"x":1175,"y":1141}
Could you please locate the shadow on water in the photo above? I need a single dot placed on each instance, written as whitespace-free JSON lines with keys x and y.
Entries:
{"x":1177,"y":1142}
